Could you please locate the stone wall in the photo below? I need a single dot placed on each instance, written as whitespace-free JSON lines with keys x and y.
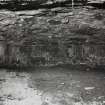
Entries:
{"x":53,"y":36}
{"x":51,"y":53}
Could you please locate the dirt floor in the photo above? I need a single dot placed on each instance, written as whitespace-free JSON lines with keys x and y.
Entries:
{"x":52,"y":86}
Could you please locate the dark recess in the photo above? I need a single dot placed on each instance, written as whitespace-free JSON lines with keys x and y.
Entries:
{"x":33,"y":5}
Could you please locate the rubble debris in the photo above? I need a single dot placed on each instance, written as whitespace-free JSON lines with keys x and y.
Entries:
{"x":89,"y":88}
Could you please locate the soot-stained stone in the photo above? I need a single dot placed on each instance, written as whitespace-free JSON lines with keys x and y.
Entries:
{"x":54,"y":22}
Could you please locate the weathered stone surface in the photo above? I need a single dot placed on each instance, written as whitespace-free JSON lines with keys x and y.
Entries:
{"x":51,"y":26}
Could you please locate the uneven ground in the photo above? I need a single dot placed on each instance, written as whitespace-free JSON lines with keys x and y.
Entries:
{"x":52,"y":86}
